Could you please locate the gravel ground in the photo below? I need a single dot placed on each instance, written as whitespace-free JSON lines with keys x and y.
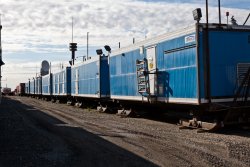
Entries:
{"x":39,"y":133}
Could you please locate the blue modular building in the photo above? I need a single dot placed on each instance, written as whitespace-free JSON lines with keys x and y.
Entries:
{"x":61,"y":82}
{"x":27,"y":88}
{"x":90,"y":79}
{"x":38,"y":85}
{"x":47,"y":85}
{"x":32,"y":87}
{"x":188,"y":66}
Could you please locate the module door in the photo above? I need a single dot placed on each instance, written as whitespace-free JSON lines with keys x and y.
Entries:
{"x":77,"y":82}
{"x":152,"y":68}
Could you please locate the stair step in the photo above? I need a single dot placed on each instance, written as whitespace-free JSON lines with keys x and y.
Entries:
{"x":141,"y":77}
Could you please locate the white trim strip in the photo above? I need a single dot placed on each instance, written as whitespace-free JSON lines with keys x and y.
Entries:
{"x":155,"y":40}
{"x":161,"y":99}
{"x":60,"y":94}
{"x":86,"y":95}
{"x":46,"y":94}
{"x":95,"y":58}
{"x":178,"y":100}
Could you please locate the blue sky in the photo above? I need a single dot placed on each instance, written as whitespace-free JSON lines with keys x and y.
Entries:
{"x":241,"y":4}
{"x":37,"y":30}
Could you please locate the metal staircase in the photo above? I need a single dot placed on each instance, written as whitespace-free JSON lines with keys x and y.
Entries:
{"x":142,"y":77}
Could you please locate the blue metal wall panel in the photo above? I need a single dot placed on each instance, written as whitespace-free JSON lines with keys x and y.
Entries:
{"x":68,"y":81}
{"x":27,"y":88}
{"x":231,"y":48}
{"x":38,"y":85}
{"x":177,"y":70}
{"x":47,"y":84}
{"x":227,"y":49}
{"x":89,"y":78}
{"x":91,"y":74}
{"x":73,"y":80}
{"x":123,"y":80}
{"x":104,"y":76}
{"x":61,"y":82}
{"x":32,"y":87}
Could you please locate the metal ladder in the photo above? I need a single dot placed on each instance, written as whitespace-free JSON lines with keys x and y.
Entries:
{"x":142,"y":77}
{"x":244,"y":89}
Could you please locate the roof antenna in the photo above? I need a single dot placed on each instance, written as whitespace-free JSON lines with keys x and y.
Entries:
{"x":1,"y":62}
{"x":219,"y":12}
{"x":72,"y":29}
{"x":233,"y":21}
{"x":72,"y":46}
{"x":243,"y":24}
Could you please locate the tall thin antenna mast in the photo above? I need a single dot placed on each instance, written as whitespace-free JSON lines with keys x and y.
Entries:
{"x":219,"y":12}
{"x":87,"y":45}
{"x":72,"y":29}
{"x":1,"y":62}
{"x":72,"y":46}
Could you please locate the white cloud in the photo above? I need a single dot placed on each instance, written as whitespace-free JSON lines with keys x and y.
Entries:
{"x":43,"y":27}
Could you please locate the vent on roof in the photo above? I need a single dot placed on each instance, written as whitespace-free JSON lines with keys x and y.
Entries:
{"x":241,"y":72}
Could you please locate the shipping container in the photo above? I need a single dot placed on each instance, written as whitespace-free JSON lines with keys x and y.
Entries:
{"x":90,"y":79}
{"x":47,"y":85}
{"x":61,"y":82}
{"x":188,"y":66}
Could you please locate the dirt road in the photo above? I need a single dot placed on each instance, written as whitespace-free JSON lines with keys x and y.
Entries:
{"x":39,"y":133}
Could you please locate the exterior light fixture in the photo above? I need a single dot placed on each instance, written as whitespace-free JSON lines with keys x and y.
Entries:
{"x":99,"y":52}
{"x":197,"y":14}
{"x":107,"y":48}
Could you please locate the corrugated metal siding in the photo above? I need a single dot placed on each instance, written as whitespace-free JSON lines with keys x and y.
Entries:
{"x":32,"y":87}
{"x":227,"y":49}
{"x":73,"y":80}
{"x":47,"y":84}
{"x":91,"y":73}
{"x":123,"y":81}
{"x":177,"y":76}
{"x":38,"y":85}
{"x":61,"y":82}
{"x":27,"y":88}
{"x":56,"y":83}
{"x":104,"y":75}
{"x":178,"y":64}
{"x":68,"y":81}
{"x":88,"y":81}
{"x":89,"y":78}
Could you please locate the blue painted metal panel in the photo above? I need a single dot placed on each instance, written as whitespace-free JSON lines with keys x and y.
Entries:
{"x":227,"y":49}
{"x":55,"y":81}
{"x":177,"y":76}
{"x":68,"y":81}
{"x":89,"y":78}
{"x":61,"y":82}
{"x":38,"y":85}
{"x":32,"y":87}
{"x":93,"y":78}
{"x":73,"y":80}
{"x":230,"y":49}
{"x":47,"y":84}
{"x":27,"y":88}
{"x":104,"y":77}
{"x":123,"y":80}
{"x":177,"y":68}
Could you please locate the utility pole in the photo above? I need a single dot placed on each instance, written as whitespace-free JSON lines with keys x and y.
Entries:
{"x":87,"y":46}
{"x":219,"y":12}
{"x":1,"y":62}
{"x":72,"y":46}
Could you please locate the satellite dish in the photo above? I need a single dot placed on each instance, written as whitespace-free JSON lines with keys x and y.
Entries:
{"x":44,"y":68}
